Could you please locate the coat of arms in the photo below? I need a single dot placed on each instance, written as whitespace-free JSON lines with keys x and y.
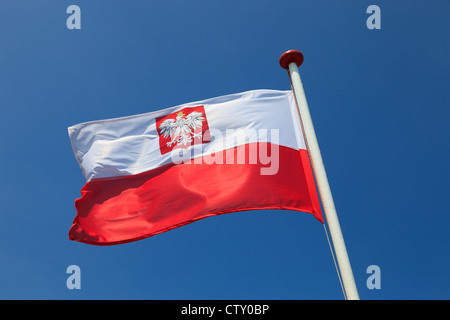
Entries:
{"x":182,"y":129}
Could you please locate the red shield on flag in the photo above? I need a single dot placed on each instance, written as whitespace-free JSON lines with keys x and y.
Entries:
{"x":183,"y":129}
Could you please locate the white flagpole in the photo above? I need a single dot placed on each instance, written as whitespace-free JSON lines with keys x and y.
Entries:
{"x":291,"y":60}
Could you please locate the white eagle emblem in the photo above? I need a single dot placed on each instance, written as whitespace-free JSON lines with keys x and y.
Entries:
{"x":181,"y":130}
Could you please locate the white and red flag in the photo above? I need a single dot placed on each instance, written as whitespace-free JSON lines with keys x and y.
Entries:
{"x":153,"y":172}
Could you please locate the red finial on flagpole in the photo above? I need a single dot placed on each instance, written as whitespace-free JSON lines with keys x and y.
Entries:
{"x":289,"y":57}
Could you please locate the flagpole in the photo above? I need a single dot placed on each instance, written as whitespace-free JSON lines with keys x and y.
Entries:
{"x":291,"y":60}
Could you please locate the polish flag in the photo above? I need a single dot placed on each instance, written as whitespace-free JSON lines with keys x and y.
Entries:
{"x":153,"y":172}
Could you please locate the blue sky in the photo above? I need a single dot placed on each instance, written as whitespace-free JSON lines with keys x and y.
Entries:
{"x":379,"y":100}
